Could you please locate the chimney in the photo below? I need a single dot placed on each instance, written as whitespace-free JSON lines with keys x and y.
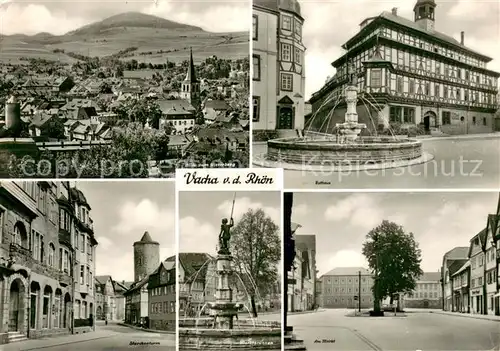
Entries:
{"x":395,"y":11}
{"x":462,"y":37}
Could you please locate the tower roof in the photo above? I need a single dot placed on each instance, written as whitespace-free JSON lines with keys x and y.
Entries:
{"x":191,"y":73}
{"x":146,"y":239}
{"x":424,"y":2}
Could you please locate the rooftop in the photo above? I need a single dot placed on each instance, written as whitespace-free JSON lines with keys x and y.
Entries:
{"x":347,"y":271}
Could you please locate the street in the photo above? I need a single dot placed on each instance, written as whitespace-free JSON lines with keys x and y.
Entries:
{"x":110,"y":337}
{"x":333,"y":330}
{"x":458,"y":163}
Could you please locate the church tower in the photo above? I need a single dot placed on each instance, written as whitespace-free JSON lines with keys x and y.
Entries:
{"x":146,"y":257}
{"x":190,"y":89}
{"x":424,"y":14}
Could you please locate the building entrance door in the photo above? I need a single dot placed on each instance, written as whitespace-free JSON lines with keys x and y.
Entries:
{"x":430,"y":121}
{"x":285,"y":120}
{"x":426,"y":304}
{"x":14,"y":307}
{"x":497,"y":306}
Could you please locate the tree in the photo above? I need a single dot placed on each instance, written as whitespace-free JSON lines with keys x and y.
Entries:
{"x":394,"y":257}
{"x":55,"y":129}
{"x":257,"y":251}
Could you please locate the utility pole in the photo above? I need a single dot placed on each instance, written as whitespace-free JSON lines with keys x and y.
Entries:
{"x":359,"y":291}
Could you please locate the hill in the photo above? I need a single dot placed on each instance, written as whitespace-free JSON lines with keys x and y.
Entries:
{"x":155,"y":39}
{"x":133,"y":20}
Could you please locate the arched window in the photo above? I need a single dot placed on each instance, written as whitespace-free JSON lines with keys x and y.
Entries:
{"x":52,"y":253}
{"x":19,"y":236}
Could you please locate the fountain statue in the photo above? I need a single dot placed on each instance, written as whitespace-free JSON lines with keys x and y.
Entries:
{"x":224,"y":309}
{"x":225,"y":235}
{"x":349,"y":130}
{"x":221,"y":331}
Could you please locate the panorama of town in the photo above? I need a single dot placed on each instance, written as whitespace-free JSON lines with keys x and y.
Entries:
{"x":126,"y":114}
{"x":391,"y":303}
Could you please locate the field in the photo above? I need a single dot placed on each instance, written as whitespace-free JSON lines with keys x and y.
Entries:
{"x":173,"y":43}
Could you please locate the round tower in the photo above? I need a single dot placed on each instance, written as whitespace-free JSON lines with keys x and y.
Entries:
{"x":13,"y":115}
{"x":146,"y":256}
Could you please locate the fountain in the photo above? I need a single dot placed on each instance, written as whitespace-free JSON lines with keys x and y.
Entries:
{"x":346,"y":149}
{"x":221,"y":331}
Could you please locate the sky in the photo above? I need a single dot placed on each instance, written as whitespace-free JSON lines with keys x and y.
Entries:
{"x":439,"y":221}
{"x":122,"y":212}
{"x":201,"y":214}
{"x":61,"y":16}
{"x":330,"y":23}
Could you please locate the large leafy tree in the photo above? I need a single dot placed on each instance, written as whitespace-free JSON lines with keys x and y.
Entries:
{"x":394,"y":257}
{"x":256,"y":247}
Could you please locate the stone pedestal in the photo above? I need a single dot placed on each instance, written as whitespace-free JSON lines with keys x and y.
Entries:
{"x":350,"y":129}
{"x":223,"y":309}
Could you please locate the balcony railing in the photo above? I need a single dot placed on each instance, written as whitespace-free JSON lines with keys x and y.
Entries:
{"x":23,"y":256}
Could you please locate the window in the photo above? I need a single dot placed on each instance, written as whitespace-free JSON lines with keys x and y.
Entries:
{"x":446,"y":117}
{"x":82,"y":242}
{"x":256,"y":67}
{"x":376,"y":78}
{"x":82,"y":275}
{"x":399,"y":84}
{"x":438,"y":68}
{"x":286,"y":52}
{"x":286,"y":22}
{"x":445,"y":92}
{"x":255,"y":27}
{"x":42,"y":200}
{"x":255,"y":108}
{"x":298,"y":56}
{"x":52,"y":252}
{"x":412,"y":87}
{"x":427,"y":88}
{"x":408,"y":115}
{"x":474,"y":122}
{"x":286,"y":81}
{"x":88,"y":276}
{"x":484,"y":121}
{"x":298,"y":27}
{"x":436,"y":90}
{"x":37,"y":246}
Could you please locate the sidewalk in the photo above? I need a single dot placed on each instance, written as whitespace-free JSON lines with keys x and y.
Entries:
{"x":36,"y":344}
{"x":460,"y":136}
{"x":305,"y":312}
{"x":146,"y":330}
{"x":470,"y":315}
{"x":290,"y":313}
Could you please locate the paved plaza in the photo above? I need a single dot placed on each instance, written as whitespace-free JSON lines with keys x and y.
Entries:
{"x":110,"y":337}
{"x":459,"y":162}
{"x":334,"y":329}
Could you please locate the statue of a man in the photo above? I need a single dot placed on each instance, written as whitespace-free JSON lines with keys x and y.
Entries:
{"x":225,"y":234}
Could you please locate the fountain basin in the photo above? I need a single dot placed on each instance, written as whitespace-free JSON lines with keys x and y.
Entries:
{"x":325,"y":153}
{"x":198,"y":334}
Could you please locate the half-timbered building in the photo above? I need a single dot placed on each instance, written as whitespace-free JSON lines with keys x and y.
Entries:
{"x":410,"y":74}
{"x":278,"y":65}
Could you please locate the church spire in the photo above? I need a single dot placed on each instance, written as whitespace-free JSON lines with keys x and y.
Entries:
{"x":191,"y":73}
